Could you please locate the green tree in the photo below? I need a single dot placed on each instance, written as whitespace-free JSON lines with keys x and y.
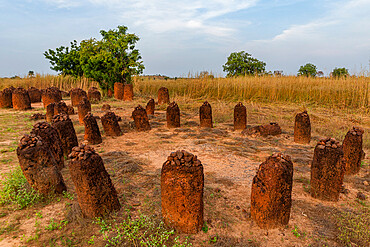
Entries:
{"x":242,"y":64}
{"x":308,"y":70}
{"x":340,"y":72}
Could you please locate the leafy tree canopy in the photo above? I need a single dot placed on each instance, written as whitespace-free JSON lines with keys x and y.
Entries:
{"x":308,"y":70}
{"x":339,"y":72}
{"x":109,"y":60}
{"x":242,"y":64}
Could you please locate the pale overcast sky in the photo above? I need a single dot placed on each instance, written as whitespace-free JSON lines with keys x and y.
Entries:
{"x":178,"y":37}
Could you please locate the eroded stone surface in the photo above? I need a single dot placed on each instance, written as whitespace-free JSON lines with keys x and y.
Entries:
{"x":21,"y":99}
{"x":302,"y":128}
{"x":173,"y":115}
{"x":163,"y":96}
{"x":83,"y":108}
{"x":92,"y":132}
{"x":240,"y":116}
{"x":141,"y":119}
{"x":150,"y":107}
{"x":352,"y":150}
{"x":67,"y":134}
{"x":110,"y":124}
{"x":205,"y":115}
{"x":118,"y":90}
{"x":77,"y":94}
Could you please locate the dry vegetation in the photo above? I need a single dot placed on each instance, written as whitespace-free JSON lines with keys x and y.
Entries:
{"x":230,"y":161}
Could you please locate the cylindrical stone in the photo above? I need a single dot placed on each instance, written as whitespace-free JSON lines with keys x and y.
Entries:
{"x":110,"y":93}
{"x":352,"y":150}
{"x":60,"y":107}
{"x":35,"y":94}
{"x":50,"y":112}
{"x":39,"y":166}
{"x":141,"y":119}
{"x":50,"y":135}
{"x":6,"y":98}
{"x":173,"y":115}
{"x":94,"y":95}
{"x":92,"y":132}
{"x":163,"y":96}
{"x":150,"y":107}
{"x":205,"y":115}
{"x":96,"y":194}
{"x":271,"y":129}
{"x":240,"y":116}
{"x":83,"y":108}
{"x":21,"y":99}
{"x":50,"y":95}
{"x":77,"y":94}
{"x":118,"y":90}
{"x":128,"y":92}
{"x":67,"y":134}
{"x":271,"y":196}
{"x":182,"y":182}
{"x":327,"y":170}
{"x":110,"y":124}
{"x":302,"y":128}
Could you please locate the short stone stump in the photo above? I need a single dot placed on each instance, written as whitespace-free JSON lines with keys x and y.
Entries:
{"x":302,"y":128}
{"x":77,"y":94}
{"x":150,"y":107}
{"x":352,"y":150}
{"x":163,"y":96}
{"x":240,"y":117}
{"x":35,"y":94}
{"x":6,"y":98}
{"x":141,"y":119}
{"x":92,"y":132}
{"x":118,"y":90}
{"x":205,"y":115}
{"x":110,"y":124}
{"x":83,"y":108}
{"x":20,"y":99}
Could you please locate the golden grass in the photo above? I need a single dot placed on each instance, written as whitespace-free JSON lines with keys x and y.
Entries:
{"x":352,"y":93}
{"x":65,"y":83}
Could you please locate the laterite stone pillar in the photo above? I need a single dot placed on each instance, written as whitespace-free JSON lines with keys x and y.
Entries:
{"x":35,"y":94}
{"x":6,"y":98}
{"x":271,"y":197}
{"x":205,"y":114}
{"x":128,"y":92}
{"x":67,"y":134}
{"x":118,"y":90}
{"x":352,"y":150}
{"x":77,"y":94}
{"x":21,"y":99}
{"x":173,"y":115}
{"x":94,"y":95}
{"x":110,"y":124}
{"x":83,"y":108}
{"x":240,"y":116}
{"x":150,"y":107}
{"x":182,"y":182}
{"x":50,"y":112}
{"x":141,"y":119}
{"x":302,"y":128}
{"x":92,"y":132}
{"x":50,"y":95}
{"x":61,"y":107}
{"x":163,"y":96}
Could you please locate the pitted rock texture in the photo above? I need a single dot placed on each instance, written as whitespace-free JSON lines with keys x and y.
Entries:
{"x":60,"y":107}
{"x":106,"y":107}
{"x":302,"y":128}
{"x":150,"y":107}
{"x":352,"y":150}
{"x":96,"y":194}
{"x":240,"y":116}
{"x":77,"y":94}
{"x":128,"y":92}
{"x":205,"y":115}
{"x":173,"y":115}
{"x":110,"y":124}
{"x":20,"y":99}
{"x":94,"y":95}
{"x":110,"y":93}
{"x":182,"y":182}
{"x":6,"y":98}
{"x":163,"y":96}
{"x":35,"y":94}
{"x":83,"y":108}
{"x":67,"y":134}
{"x":271,"y":197}
{"x":327,"y":170}
{"x":263,"y":130}
{"x":50,"y":112}
{"x":50,"y":95}
{"x":39,"y":166}
{"x":92,"y":132}
{"x":141,"y":119}
{"x":118,"y":90}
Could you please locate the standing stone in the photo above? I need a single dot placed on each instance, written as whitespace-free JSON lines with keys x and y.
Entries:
{"x":240,"y":117}
{"x":92,"y":133}
{"x":94,"y":95}
{"x":67,"y":134}
{"x":271,"y":197}
{"x":141,"y":119}
{"x":263,"y":130}
{"x":83,"y":108}
{"x":110,"y":93}
{"x":205,"y":114}
{"x":50,"y":95}
{"x":39,"y":166}
{"x":50,"y":112}
{"x":35,"y":94}
{"x":21,"y":99}
{"x":182,"y":182}
{"x":70,"y":110}
{"x":327,"y":170}
{"x":302,"y":128}
{"x":352,"y":149}
{"x":105,"y":107}
{"x":173,"y":115}
{"x":60,"y":107}
{"x":110,"y":124}
{"x":150,"y":107}
{"x":118,"y":90}
{"x":96,"y":194}
{"x":77,"y":94}
{"x":163,"y":96}
{"x":128,"y":92}
{"x":50,"y":136}
{"x":6,"y":98}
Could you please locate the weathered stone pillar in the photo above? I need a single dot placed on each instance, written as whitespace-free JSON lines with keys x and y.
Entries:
{"x":271,"y":197}
{"x":302,"y":128}
{"x":128,"y":92}
{"x":94,"y":95}
{"x":6,"y":98}
{"x":50,"y":95}
{"x":240,"y":117}
{"x":173,"y":115}
{"x":67,"y":134}
{"x":92,"y":133}
{"x":110,"y":93}
{"x":150,"y":107}
{"x":352,"y":149}
{"x":163,"y":96}
{"x":35,"y":94}
{"x":182,"y":182}
{"x":96,"y":194}
{"x":110,"y":124}
{"x":327,"y":170}
{"x":77,"y":94}
{"x":83,"y":108}
{"x":39,"y":166}
{"x":141,"y":119}
{"x":50,"y":112}
{"x":60,"y":107}
{"x":105,"y":107}
{"x":205,"y":114}
{"x":118,"y":90}
{"x":50,"y":136}
{"x":21,"y":99}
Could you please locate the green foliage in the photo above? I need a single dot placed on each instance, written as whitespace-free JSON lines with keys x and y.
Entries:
{"x":242,"y":64}
{"x":296,"y":232}
{"x":54,"y":225}
{"x":308,"y":70}
{"x":15,"y":190}
{"x":340,"y":72}
{"x":109,"y":60}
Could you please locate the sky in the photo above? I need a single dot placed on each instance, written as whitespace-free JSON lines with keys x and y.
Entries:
{"x":182,"y":37}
